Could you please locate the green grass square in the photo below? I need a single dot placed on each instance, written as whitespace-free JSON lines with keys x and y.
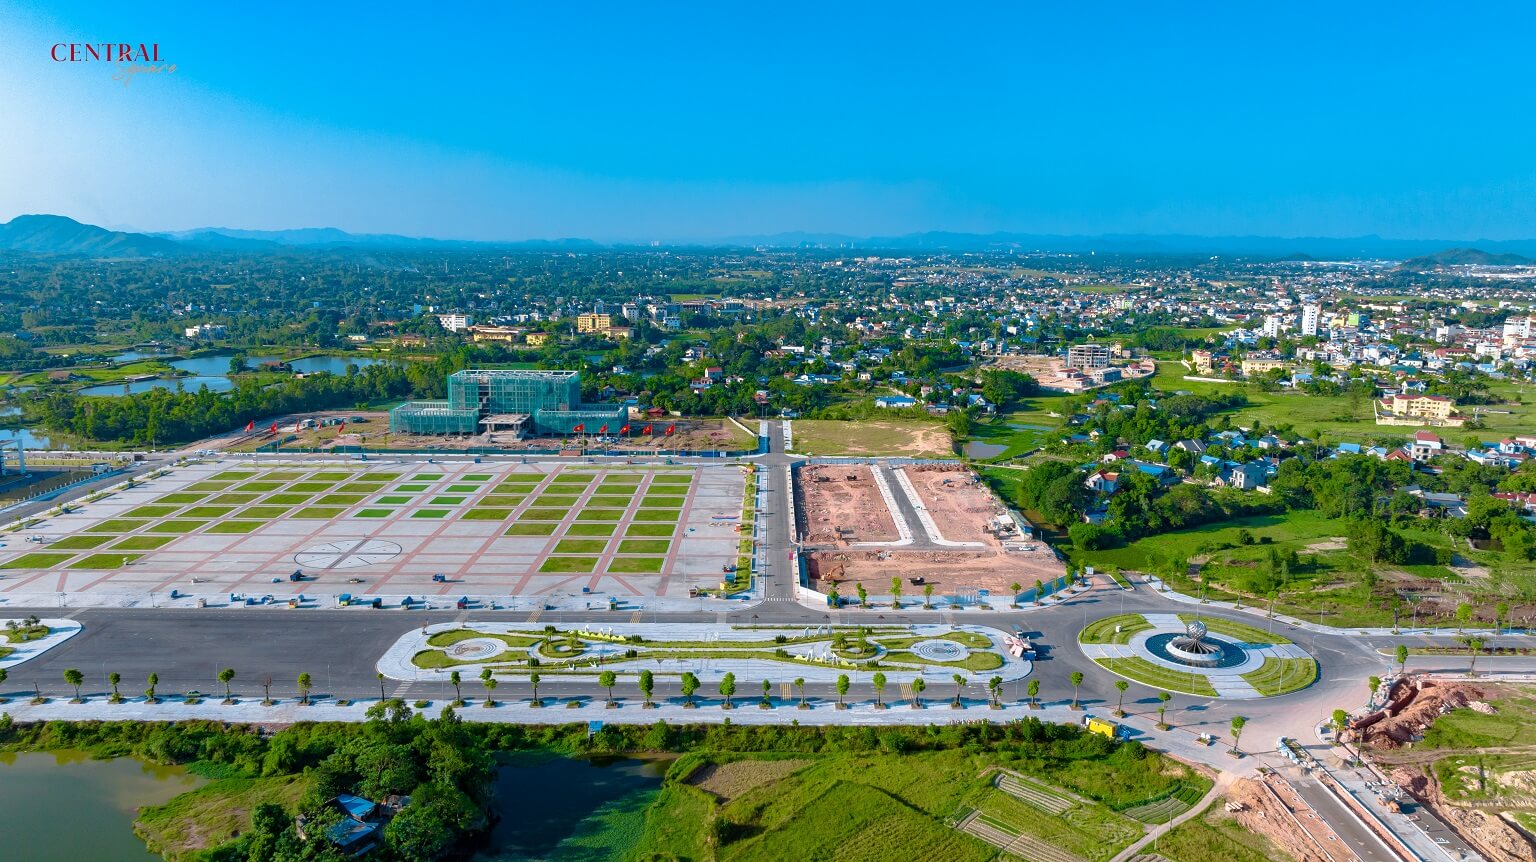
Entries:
{"x":568,"y":482}
{"x":599,"y":515}
{"x":288,"y":499}
{"x":209,"y":512}
{"x":311,"y":487}
{"x":284,"y":475}
{"x":235,"y":475}
{"x":518,"y":486}
{"x":650,"y":530}
{"x":480,"y":513}
{"x":104,"y":561}
{"x":263,"y":513}
{"x":260,"y":487}
{"x":544,"y":515}
{"x":463,"y":488}
{"x":374,"y":513}
{"x":501,"y":500}
{"x":180,"y":498}
{"x":523,"y":529}
{"x":444,"y":500}
{"x":658,"y":515}
{"x":394,"y":500}
{"x":209,"y":486}
{"x":233,"y":499}
{"x":618,"y":489}
{"x":426,"y":477}
{"x":179,"y":526}
{"x":79,"y":543}
{"x":116,"y":525}
{"x":655,"y":502}
{"x":150,"y":511}
{"x":227,"y":527}
{"x":430,"y":513}
{"x":559,"y":500}
{"x":332,"y":476}
{"x":380,"y":477}
{"x":637,"y":565}
{"x":340,"y":499}
{"x":476,"y":477}
{"x":644,"y":546}
{"x":142,"y":543}
{"x":411,"y":489}
{"x":581,"y":546}
{"x":318,"y":512}
{"x":37,"y":560}
{"x":672,"y":479}
{"x":574,"y":565}
{"x":591,"y":529}
{"x":363,"y":488}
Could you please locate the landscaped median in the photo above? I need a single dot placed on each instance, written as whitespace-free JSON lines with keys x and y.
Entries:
{"x":1219,"y":657}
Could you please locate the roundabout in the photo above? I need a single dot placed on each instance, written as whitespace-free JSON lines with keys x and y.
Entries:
{"x":1209,"y":657}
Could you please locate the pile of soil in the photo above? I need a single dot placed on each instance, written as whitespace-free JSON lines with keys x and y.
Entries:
{"x":1260,"y":812}
{"x":1415,"y":704}
{"x":1495,"y":839}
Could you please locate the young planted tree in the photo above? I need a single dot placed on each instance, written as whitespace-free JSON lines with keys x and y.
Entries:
{"x":1039,"y":591}
{"x":608,"y":679}
{"x":226,"y":676}
{"x":1372,"y":683}
{"x":533,"y":680}
{"x":149,"y":693}
{"x":1017,"y":588}
{"x":76,"y":679}
{"x":928,"y":596}
{"x":878,"y":680}
{"x":959,"y":679}
{"x":843,"y":684}
{"x":863,"y":595}
{"x":382,"y":697}
{"x":1034,"y":692}
{"x":896,"y":593}
{"x":1237,"y":731}
{"x":1463,"y":616}
{"x":1500,"y":616}
{"x":1077,"y":681}
{"x":306,"y":683}
{"x":800,"y":684}
{"x":1162,"y":704}
{"x":1401,"y":654}
{"x":113,"y":679}
{"x":917,"y":692}
{"x":1339,"y":721}
{"x":728,"y":689}
{"x":457,"y":682}
{"x":1474,"y":646}
{"x":690,"y":684}
{"x":266,"y":688}
{"x":647,"y":684}
{"x":995,"y":690}
{"x":490,"y":683}
{"x":1120,"y":686}
{"x":767,"y":687}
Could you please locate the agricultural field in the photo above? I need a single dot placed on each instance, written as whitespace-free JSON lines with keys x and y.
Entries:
{"x":487,"y":529}
{"x":914,"y":438}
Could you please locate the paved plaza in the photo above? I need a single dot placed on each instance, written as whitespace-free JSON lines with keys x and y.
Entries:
{"x":528,"y":529}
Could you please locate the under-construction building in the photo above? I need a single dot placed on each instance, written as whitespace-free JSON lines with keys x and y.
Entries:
{"x":522,"y":402}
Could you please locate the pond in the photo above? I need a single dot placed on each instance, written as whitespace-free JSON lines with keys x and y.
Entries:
{"x":64,"y":807}
{"x":982,"y":451}
{"x":31,"y":438}
{"x":213,"y":372}
{"x":567,"y":808}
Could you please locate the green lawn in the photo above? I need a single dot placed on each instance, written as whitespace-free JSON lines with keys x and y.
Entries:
{"x":502,"y":500}
{"x":242,"y":499}
{"x":1103,"y":631}
{"x":318,"y":512}
{"x":1216,"y":836}
{"x":394,"y":500}
{"x":150,"y":511}
{"x":235,"y":527}
{"x":1157,"y":676}
{"x":531,"y":529}
{"x":79,"y":543}
{"x":181,"y":498}
{"x":310,"y":487}
{"x":581,"y":546}
{"x":374,"y":513}
{"x":483,"y":514}
{"x":340,"y":499}
{"x":1282,"y":675}
{"x":208,"y":512}
{"x":544,"y":514}
{"x":178,"y":527}
{"x":610,"y":501}
{"x":142,"y":543}
{"x":574,"y":565}
{"x":637,"y":565}
{"x":655,"y":501}
{"x":556,"y":500}
{"x":599,"y":515}
{"x":1233,"y":629}
{"x":288,"y":499}
{"x":430,"y":513}
{"x":591,"y":529}
{"x":651,"y":530}
{"x":644,"y":546}
{"x":260,"y":487}
{"x":658,"y":515}
{"x":263,"y":513}
{"x":116,"y":525}
{"x":445,"y":500}
{"x":37,"y":560}
{"x":104,"y":561}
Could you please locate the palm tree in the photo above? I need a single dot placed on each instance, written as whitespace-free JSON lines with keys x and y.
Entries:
{"x":959,"y":687}
{"x":1237,"y":731}
{"x":1077,"y":680}
{"x":306,"y":683}
{"x":608,"y":679}
{"x":113,"y":678}
{"x":728,"y":688}
{"x":149,"y":693}
{"x":928,"y":596}
{"x":995,"y":689}
{"x":1162,"y":704}
{"x":917,"y":692}
{"x":879,"y":682}
{"x":490,"y":683}
{"x":800,"y":684}
{"x":458,"y":694}
{"x":380,"y":675}
{"x":76,"y":679}
{"x":647,"y":685}
{"x":533,"y":680}
{"x":1120,"y":686}
{"x":227,"y":676}
{"x":1034,"y":690}
{"x":690,"y":684}
{"x":843,"y":684}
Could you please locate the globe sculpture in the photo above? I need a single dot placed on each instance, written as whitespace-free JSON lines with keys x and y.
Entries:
{"x":1192,"y":647}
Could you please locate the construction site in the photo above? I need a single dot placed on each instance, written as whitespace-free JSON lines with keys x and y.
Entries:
{"x":931,"y":524}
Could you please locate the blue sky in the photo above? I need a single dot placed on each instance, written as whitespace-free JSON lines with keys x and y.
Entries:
{"x":672,"y":121}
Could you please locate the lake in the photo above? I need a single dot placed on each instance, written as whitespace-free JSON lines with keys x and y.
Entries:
{"x":560,"y":809}
{"x":213,"y":372}
{"x":64,"y":807}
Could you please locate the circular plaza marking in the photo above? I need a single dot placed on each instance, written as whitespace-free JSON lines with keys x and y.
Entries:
{"x":347,"y":554}
{"x":940,"y":651}
{"x":1202,"y":656}
{"x":476,"y":649}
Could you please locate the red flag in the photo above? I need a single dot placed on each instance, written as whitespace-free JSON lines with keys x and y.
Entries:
{"x":250,"y":426}
{"x":670,"y":429}
{"x":580,"y":427}
{"x":273,"y":429}
{"x":646,"y":430}
{"x":342,"y":428}
{"x":603,"y":430}
{"x":624,"y":430}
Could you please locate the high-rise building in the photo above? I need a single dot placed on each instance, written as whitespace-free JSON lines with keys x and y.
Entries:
{"x":1271,"y":326}
{"x":1310,"y":317}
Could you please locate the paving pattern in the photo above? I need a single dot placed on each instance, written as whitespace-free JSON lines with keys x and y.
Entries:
{"x":489,"y":529}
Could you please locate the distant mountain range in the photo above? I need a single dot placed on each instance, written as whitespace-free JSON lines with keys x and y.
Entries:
{"x":59,"y":235}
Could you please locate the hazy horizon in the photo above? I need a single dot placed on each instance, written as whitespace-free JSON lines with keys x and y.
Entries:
{"x":626,"y":124}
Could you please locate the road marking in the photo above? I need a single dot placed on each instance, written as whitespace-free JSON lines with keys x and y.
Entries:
{"x":635,"y":617}
{"x":534,"y":617}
